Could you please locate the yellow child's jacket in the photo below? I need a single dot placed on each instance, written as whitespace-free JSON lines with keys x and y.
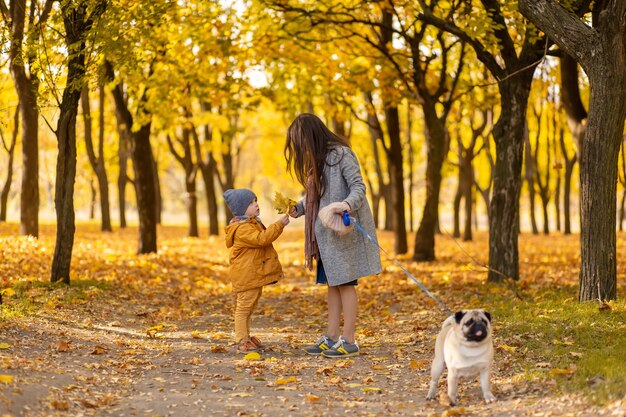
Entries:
{"x":253,"y":260}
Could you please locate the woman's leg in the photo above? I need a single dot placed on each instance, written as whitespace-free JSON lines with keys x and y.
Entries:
{"x":334,"y":312}
{"x":349,"y":302}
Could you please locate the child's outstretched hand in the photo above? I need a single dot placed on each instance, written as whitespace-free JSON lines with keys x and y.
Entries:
{"x":284,"y":220}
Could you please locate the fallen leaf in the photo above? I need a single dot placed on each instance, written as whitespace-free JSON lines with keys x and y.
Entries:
{"x":455,"y":411}
{"x":60,"y":405}
{"x":63,"y":345}
{"x":218,"y":349}
{"x":4,"y":345}
{"x":6,"y":378}
{"x":283,"y":381}
{"x":312,"y":398}
{"x":252,"y":356}
{"x":99,"y":350}
{"x":507,"y":348}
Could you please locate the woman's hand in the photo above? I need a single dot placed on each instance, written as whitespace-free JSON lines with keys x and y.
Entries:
{"x":345,"y":207}
{"x":284,"y":220}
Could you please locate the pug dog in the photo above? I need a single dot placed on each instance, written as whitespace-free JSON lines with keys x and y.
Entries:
{"x":464,"y":345}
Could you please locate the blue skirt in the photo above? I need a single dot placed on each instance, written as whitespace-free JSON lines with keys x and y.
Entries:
{"x":320,"y":277}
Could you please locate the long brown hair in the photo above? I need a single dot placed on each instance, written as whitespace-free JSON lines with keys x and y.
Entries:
{"x":308,"y":143}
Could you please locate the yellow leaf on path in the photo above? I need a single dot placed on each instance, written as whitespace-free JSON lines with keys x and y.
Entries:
{"x":196,"y":334}
{"x":371,"y":389}
{"x":6,"y":378}
{"x":282,"y":204}
{"x":4,"y":345}
{"x":378,"y":367}
{"x":353,"y":385}
{"x":455,"y":411}
{"x":507,"y":348}
{"x":252,"y":356}
{"x":159,"y":379}
{"x":312,"y":398}
{"x":283,"y":381}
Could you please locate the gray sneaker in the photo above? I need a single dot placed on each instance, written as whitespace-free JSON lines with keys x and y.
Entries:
{"x":322,"y":344}
{"x":342,"y":349}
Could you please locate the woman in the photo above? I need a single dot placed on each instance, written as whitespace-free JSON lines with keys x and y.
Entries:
{"x":328,"y":169}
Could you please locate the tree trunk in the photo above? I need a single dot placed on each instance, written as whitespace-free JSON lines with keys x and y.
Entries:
{"x":529,"y":171}
{"x":158,"y":199}
{"x":621,"y":211}
{"x":208,"y":175}
{"x":576,"y":120}
{"x":26,"y":87}
{"x":145,"y":184}
{"x":396,"y":179}
{"x":208,"y":169}
{"x":97,"y":161}
{"x":4,"y":196}
{"x":77,"y":23}
{"x":508,"y":134}
{"x":143,"y":167}
{"x":467,"y":195}
{"x":567,"y":189}
{"x":435,"y":133}
{"x":122,"y":177}
{"x":598,"y":178}
{"x":458,"y":196}
{"x":601,"y":51}
{"x":92,"y":203}
{"x":409,"y":117}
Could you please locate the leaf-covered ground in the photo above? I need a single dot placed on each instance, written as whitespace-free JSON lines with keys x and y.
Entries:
{"x":151,"y":335}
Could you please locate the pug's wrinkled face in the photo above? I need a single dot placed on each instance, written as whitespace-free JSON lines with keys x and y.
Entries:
{"x":474,"y":324}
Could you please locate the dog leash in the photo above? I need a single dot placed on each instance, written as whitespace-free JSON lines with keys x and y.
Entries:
{"x":347,"y":219}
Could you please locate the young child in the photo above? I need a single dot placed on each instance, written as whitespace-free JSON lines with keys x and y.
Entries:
{"x":253,"y":260}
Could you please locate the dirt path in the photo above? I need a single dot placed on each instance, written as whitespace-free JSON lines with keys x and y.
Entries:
{"x":103,"y":362}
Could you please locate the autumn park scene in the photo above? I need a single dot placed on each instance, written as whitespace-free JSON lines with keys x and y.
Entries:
{"x":312,"y":208}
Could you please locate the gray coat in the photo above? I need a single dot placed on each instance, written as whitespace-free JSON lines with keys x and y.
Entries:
{"x":352,"y":255}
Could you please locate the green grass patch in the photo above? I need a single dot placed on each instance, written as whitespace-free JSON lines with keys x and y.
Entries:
{"x":580,"y":345}
{"x":27,"y":298}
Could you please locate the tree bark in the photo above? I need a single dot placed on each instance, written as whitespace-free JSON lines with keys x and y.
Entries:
{"x":158,"y":199}
{"x":529,"y":174}
{"x":576,"y":120}
{"x":601,"y":51}
{"x":26,"y":87}
{"x":435,"y":132}
{"x":504,"y":209}
{"x":97,"y":161}
{"x":77,"y":22}
{"x":208,"y":169}
{"x":396,"y":182}
{"x":122,"y":177}
{"x":143,"y":167}
{"x":185,"y":159}
{"x":4,"y":195}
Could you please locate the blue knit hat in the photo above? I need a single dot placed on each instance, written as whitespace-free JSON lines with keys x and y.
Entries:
{"x":238,"y":200}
